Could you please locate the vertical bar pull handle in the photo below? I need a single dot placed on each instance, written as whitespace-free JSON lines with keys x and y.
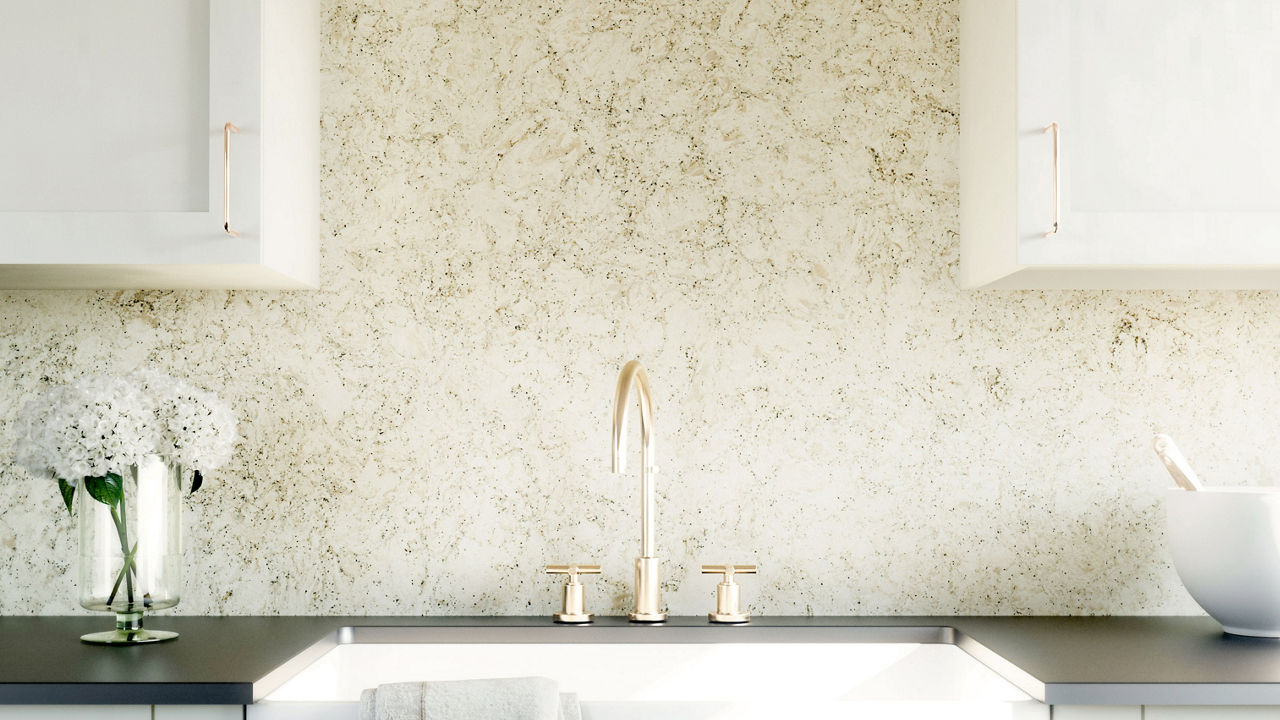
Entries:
{"x":226,"y":178}
{"x":1054,"y":128}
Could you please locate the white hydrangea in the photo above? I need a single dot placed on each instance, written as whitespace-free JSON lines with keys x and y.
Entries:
{"x":196,"y":429}
{"x":102,"y":424}
{"x":97,"y":425}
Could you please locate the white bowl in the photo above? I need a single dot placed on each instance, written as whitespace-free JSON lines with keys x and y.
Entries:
{"x":1226,"y":548}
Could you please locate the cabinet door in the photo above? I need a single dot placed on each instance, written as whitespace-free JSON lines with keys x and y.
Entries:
{"x":1193,"y":712}
{"x":113,"y":131}
{"x":198,"y":712}
{"x":302,"y":711}
{"x":1166,"y":111}
{"x":1097,"y":712}
{"x":75,"y":712}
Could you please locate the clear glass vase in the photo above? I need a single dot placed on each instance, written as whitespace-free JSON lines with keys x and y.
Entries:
{"x":131,"y":547}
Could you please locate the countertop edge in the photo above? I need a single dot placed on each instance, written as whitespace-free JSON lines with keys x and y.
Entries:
{"x":1066,"y":660}
{"x":1149,"y":694}
{"x":117,"y":693}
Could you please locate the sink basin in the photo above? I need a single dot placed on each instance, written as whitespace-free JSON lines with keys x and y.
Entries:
{"x":622,"y":674}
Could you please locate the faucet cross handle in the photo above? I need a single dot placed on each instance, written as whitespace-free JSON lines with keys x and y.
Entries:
{"x":728,"y":570}
{"x":728,"y":610}
{"x":573,"y":611}
{"x":573,"y":571}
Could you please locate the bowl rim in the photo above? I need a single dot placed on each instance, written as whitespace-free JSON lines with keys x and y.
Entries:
{"x":1230,"y":490}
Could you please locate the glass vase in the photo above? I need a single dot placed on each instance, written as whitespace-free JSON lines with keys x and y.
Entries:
{"x":131,"y":547}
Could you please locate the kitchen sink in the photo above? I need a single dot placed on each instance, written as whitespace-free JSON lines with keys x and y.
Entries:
{"x":627,"y":673}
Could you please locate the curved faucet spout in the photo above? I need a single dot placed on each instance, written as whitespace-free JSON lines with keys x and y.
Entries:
{"x":648,"y":600}
{"x":631,"y":378}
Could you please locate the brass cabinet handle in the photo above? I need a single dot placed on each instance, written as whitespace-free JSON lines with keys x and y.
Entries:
{"x":1054,"y":128}
{"x":226,"y":178}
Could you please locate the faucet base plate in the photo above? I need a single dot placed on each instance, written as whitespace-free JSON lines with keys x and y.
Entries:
{"x":573,"y":618}
{"x":648,"y":617}
{"x":739,"y":618}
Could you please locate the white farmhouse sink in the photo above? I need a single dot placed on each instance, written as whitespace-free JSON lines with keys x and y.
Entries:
{"x":804,"y":673}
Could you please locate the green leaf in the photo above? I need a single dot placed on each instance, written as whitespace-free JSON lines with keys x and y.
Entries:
{"x":196,"y":481}
{"x":107,"y":489}
{"x":68,"y":493}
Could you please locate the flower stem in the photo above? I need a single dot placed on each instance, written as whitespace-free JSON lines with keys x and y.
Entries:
{"x":129,"y":563}
{"x":122,"y":528}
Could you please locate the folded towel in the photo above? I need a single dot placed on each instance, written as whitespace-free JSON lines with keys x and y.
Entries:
{"x":393,"y":701}
{"x":530,"y":698}
{"x":570,"y":709}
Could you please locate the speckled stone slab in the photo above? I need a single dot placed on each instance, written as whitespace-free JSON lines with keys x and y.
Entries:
{"x":759,"y":200}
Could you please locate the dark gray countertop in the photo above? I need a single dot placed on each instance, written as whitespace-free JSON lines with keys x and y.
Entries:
{"x":1060,"y":660}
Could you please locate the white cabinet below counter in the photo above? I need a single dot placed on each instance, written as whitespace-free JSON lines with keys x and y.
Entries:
{"x":1193,"y":712}
{"x":75,"y":712}
{"x":1165,"y":712}
{"x":1120,"y":144}
{"x":122,"y":712}
{"x":160,"y":145}
{"x":887,"y":711}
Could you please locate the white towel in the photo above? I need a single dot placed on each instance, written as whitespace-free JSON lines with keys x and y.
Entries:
{"x":529,"y":698}
{"x":570,"y":709}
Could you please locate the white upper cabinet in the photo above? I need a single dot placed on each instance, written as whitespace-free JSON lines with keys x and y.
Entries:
{"x":117,"y":166}
{"x":1120,"y":143}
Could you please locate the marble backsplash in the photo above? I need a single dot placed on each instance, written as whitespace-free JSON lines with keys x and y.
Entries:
{"x":759,"y":199}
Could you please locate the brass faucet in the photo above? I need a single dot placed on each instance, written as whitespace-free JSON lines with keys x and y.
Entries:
{"x":648,"y":607}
